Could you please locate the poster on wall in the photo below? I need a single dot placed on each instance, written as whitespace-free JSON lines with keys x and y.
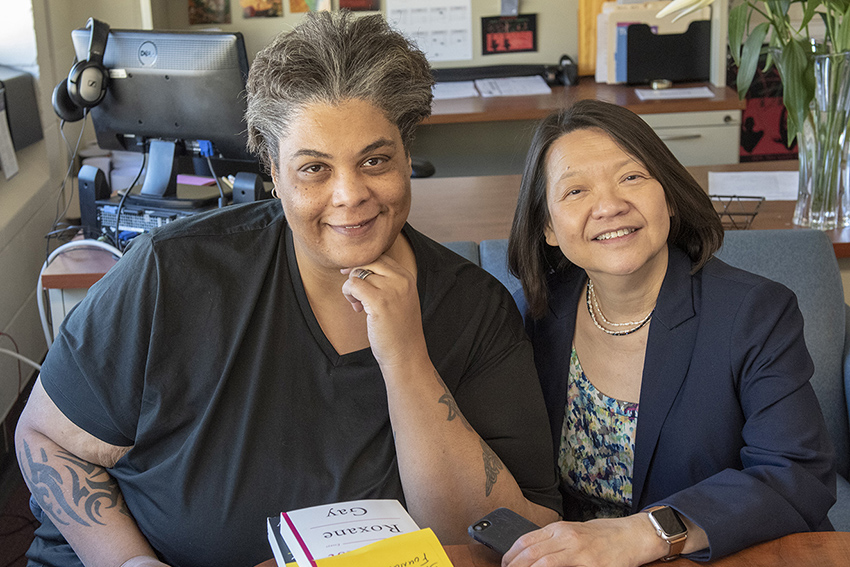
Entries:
{"x":442,"y":29}
{"x":261,"y":8}
{"x":309,"y":5}
{"x":764,"y":129}
{"x":360,"y":5}
{"x":209,"y":12}
{"x":512,"y":34}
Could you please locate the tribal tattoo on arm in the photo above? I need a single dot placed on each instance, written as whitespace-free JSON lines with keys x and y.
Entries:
{"x":93,"y":490}
{"x":492,"y":464}
{"x":449,"y":400}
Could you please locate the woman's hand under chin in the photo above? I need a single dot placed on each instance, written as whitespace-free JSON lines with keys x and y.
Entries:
{"x":390,"y":299}
{"x":617,"y":542}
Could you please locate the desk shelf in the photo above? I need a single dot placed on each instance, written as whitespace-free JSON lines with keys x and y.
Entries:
{"x":491,"y":136}
{"x":535,"y":107}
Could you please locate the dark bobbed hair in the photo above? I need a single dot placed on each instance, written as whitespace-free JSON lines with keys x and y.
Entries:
{"x":333,"y":57}
{"x":695,"y":227}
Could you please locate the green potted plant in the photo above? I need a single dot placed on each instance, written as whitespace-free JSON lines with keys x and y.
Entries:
{"x":815,"y":74}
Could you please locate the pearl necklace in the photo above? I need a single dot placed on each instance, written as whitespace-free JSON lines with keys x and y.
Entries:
{"x":592,"y":303}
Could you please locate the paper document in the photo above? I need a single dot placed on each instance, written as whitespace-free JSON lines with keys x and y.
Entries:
{"x":454,"y":89}
{"x":772,"y":185}
{"x":674,"y":93}
{"x":8,"y":159}
{"x":513,"y":86}
{"x":441,"y":28}
{"x":198,"y":180}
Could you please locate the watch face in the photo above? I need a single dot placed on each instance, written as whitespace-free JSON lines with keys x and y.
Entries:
{"x":669,"y":522}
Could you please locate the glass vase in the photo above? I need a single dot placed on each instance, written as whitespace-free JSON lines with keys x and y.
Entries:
{"x":822,"y":195}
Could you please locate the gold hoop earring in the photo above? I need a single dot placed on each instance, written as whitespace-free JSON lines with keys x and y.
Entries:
{"x":274,"y":192}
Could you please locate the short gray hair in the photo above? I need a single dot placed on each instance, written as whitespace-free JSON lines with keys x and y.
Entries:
{"x":332,"y":57}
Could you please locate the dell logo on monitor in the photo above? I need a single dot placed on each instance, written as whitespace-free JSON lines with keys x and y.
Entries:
{"x":147,"y":53}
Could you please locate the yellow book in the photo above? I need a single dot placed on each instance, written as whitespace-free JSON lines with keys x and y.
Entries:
{"x":308,"y":535}
{"x":415,"y":549}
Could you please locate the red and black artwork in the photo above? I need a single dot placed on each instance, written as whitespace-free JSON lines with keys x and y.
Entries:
{"x":509,"y":34}
{"x":764,"y":130}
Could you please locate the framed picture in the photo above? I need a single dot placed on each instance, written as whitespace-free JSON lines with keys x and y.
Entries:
{"x":360,"y":5}
{"x":509,"y":34}
{"x":261,"y":8}
{"x":209,"y":12}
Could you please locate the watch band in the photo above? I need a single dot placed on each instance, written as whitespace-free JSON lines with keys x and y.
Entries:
{"x":676,"y":547}
{"x":675,"y":541}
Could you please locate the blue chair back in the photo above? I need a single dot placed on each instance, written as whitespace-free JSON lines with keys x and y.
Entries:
{"x":494,"y":259}
{"x":466,"y":248}
{"x":804,"y":261}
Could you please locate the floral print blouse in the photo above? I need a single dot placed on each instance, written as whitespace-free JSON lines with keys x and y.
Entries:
{"x":596,"y":455}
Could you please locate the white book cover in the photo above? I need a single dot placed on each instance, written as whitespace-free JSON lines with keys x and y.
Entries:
{"x":281,"y":552}
{"x":322,"y":531}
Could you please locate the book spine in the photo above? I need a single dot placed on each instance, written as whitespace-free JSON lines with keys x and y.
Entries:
{"x":301,"y":545}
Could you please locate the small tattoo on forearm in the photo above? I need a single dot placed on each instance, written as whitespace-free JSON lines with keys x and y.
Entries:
{"x":93,"y":490}
{"x":492,"y":466}
{"x":448,"y":399}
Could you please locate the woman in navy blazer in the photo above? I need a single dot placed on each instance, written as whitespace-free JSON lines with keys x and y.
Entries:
{"x":677,"y":386}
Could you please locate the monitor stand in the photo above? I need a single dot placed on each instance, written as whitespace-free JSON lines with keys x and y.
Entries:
{"x":160,"y":188}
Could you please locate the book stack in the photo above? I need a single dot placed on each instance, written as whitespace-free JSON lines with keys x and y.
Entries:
{"x":352,"y":534}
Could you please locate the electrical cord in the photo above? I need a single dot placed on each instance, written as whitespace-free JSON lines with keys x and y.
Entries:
{"x":22,"y":358}
{"x":72,"y":157}
{"x":18,"y":351}
{"x":65,"y":232}
{"x":222,"y":201}
{"x":117,"y":240}
{"x":72,"y":162}
{"x":87,"y":243}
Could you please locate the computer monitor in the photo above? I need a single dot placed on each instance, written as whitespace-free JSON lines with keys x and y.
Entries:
{"x":173,"y":94}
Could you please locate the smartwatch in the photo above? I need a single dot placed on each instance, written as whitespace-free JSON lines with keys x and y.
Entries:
{"x":669,"y":527}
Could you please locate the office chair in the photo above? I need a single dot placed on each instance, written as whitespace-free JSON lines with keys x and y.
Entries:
{"x":421,"y":168}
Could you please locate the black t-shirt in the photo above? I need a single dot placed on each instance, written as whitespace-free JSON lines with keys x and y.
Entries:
{"x":200,"y":349}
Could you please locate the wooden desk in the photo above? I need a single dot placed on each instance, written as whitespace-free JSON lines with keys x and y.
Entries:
{"x":70,"y":275}
{"x":818,"y":549}
{"x":775,"y":214}
{"x":535,"y":107}
{"x":479,"y":208}
{"x":464,"y":208}
{"x":491,"y":136}
{"x":77,"y":268}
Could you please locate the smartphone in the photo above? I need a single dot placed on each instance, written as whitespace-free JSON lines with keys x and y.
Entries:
{"x":499,"y":529}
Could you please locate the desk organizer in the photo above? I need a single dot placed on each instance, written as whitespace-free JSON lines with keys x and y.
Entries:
{"x":736,"y":212}
{"x":683,"y":57}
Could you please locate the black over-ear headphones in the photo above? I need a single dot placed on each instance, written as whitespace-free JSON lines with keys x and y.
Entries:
{"x":86,"y":84}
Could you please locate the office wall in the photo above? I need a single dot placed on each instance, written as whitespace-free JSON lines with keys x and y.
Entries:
{"x":27,"y":202}
{"x":477,"y":149}
{"x":556,"y":23}
{"x":30,"y":200}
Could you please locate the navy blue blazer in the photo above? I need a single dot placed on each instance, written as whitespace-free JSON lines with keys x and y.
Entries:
{"x":729,"y":430}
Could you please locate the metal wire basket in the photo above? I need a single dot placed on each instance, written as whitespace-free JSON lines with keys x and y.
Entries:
{"x":736,"y":211}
